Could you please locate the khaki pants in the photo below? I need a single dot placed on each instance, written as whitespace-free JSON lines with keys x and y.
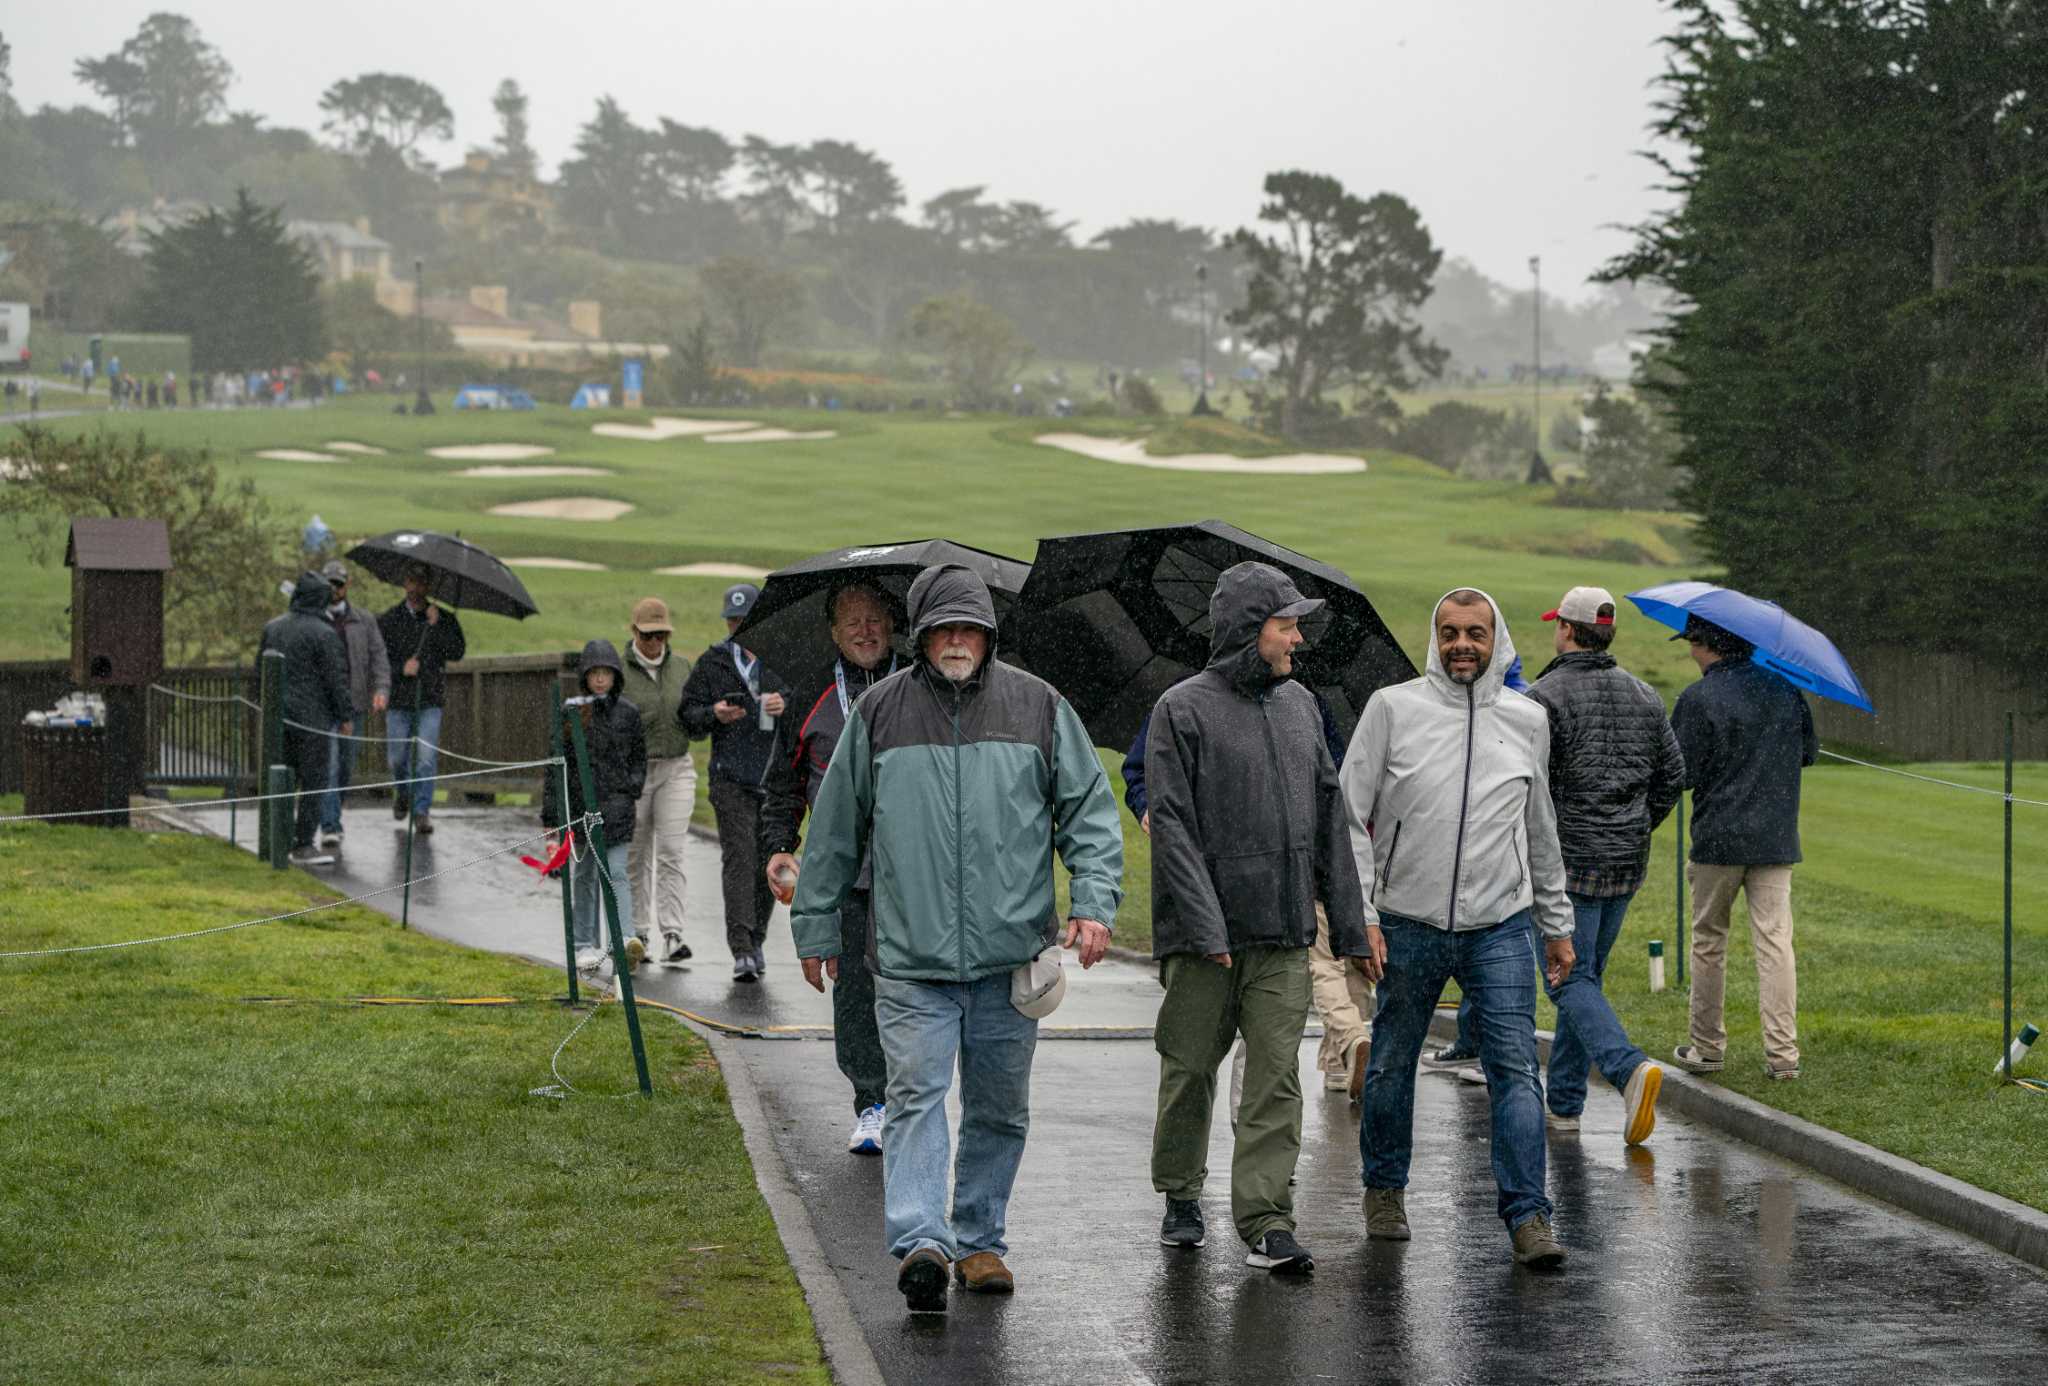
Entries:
{"x":1769,"y":892}
{"x":1343,"y":999}
{"x":654,"y":858}
{"x":1263,"y":995}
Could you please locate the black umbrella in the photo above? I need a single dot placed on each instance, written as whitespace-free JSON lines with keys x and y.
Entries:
{"x":788,"y":626}
{"x":463,"y":575}
{"x":1115,"y":619}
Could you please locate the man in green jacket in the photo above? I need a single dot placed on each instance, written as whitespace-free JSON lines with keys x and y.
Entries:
{"x":958,"y":777}
{"x":654,"y":678}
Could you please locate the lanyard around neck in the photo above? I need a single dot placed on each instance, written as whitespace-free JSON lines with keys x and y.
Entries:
{"x":839,"y":678}
{"x":747,"y":668}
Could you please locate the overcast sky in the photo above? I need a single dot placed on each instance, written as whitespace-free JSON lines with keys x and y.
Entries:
{"x":1512,"y":125}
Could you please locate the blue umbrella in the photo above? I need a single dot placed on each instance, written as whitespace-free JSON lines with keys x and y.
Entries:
{"x":1784,"y":644}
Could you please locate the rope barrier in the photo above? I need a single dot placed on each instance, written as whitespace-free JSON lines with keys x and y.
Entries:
{"x":415,"y":740}
{"x":275,"y":918}
{"x":1929,"y":779}
{"x":189,"y":804}
{"x":201,"y":698}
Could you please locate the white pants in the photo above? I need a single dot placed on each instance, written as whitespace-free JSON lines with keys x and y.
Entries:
{"x":661,"y":825}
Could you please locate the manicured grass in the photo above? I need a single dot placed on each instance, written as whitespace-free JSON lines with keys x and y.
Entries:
{"x":200,"y":1186}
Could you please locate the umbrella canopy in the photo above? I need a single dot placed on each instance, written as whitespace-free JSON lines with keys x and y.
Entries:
{"x":1115,"y":619}
{"x":464,"y":575}
{"x":789,"y":623}
{"x":1784,"y":643}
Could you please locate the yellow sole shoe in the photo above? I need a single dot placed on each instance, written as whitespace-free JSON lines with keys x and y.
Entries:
{"x":1641,"y":1098}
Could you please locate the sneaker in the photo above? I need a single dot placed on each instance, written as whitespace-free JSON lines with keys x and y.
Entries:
{"x":1567,"y":1125}
{"x":330,"y":837}
{"x":1182,"y":1225}
{"x":674,"y":949}
{"x":1536,"y":1245}
{"x":743,"y":969}
{"x":1361,"y":1055}
{"x":1336,"y":1080}
{"x":984,"y":1273}
{"x":1386,"y":1215}
{"x":309,"y":855}
{"x":922,"y":1279}
{"x":589,"y":959}
{"x":1783,"y":1074}
{"x":1279,"y":1253}
{"x":1449,"y":1057}
{"x":635,"y":950}
{"x":760,"y":965}
{"x":1474,"y":1074}
{"x":867,"y":1132}
{"x":1640,"y":1097}
{"x":1692,"y":1060}
{"x":423,"y":824}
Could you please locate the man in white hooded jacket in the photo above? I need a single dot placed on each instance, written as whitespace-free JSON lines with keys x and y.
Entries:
{"x":1446,"y":784}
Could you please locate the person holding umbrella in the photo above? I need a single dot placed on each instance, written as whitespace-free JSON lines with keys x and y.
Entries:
{"x":863,"y":626}
{"x":425,"y":637}
{"x":1746,"y":734}
{"x":732,"y":698}
{"x":1248,"y":833}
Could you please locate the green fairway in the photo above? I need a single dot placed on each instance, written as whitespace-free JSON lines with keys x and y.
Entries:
{"x":220,"y":1169}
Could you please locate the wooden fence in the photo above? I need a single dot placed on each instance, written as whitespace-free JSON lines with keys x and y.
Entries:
{"x":494,"y":708}
{"x":1936,"y":707}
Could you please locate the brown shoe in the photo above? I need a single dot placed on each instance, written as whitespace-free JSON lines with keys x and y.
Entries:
{"x":985,"y":1274}
{"x":423,"y":824}
{"x":1361,"y":1055}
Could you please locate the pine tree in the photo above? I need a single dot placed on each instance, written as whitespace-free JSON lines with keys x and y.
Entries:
{"x":246,"y":293}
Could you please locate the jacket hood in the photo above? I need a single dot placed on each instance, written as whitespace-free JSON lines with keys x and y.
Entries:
{"x":599,"y":654}
{"x":1246,"y":596}
{"x":947,"y":594}
{"x":1493,"y":681}
{"x":310,"y":594}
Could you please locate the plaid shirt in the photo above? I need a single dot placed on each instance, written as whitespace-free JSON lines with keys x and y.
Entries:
{"x":1604,"y":882}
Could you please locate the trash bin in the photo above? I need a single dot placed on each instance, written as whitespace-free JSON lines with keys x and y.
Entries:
{"x":70,"y":770}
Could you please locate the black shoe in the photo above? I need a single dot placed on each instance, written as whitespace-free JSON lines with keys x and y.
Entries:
{"x":923,"y":1282}
{"x":1182,"y":1225}
{"x":1449,"y":1057}
{"x":309,"y":855}
{"x":1279,"y":1253}
{"x":399,"y":807}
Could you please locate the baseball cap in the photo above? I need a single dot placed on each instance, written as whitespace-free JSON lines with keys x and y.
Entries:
{"x":1582,"y":604}
{"x":740,"y":599}
{"x":335,"y":571}
{"x":1037,"y":987}
{"x":651,"y":614}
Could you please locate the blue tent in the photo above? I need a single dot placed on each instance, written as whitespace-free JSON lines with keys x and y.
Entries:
{"x":594,"y":394}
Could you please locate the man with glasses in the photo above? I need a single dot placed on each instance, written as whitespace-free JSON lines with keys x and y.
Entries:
{"x":654,"y":679}
{"x":369,"y":688}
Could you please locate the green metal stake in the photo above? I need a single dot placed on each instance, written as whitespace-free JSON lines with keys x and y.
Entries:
{"x":559,"y":745}
{"x":279,"y":810}
{"x":239,"y":715}
{"x":621,"y":968}
{"x":2008,"y":896}
{"x":272,"y":698}
{"x":412,"y":761}
{"x":1681,"y":889}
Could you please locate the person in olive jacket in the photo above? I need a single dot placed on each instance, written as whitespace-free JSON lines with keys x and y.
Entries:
{"x":617,"y":747}
{"x":1248,"y":833}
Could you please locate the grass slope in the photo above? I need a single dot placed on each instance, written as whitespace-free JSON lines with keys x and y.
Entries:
{"x":203,"y":1188}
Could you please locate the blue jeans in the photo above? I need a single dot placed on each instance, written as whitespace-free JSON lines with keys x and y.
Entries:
{"x":1589,"y":1034}
{"x":341,"y":760}
{"x":586,"y":897}
{"x":399,"y":732}
{"x":926,"y":1028}
{"x":1492,"y":967}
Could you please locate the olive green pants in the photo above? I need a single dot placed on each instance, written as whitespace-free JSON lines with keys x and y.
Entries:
{"x":1264,"y":996}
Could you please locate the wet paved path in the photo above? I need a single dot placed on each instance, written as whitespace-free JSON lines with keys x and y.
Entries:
{"x":1695,"y":1258}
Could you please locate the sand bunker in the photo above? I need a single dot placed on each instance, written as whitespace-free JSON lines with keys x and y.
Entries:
{"x":565,"y":508}
{"x":1131,"y":453}
{"x":491,"y":452}
{"x":657,"y":429}
{"x":533,"y":471}
{"x":769,"y":435}
{"x":296,"y":455}
{"x":359,"y":449}
{"x":730,"y":570}
{"x":573,"y":565}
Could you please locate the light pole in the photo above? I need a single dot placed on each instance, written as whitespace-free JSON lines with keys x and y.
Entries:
{"x":1202,"y":380}
{"x":1539,"y":470}
{"x":423,"y":403}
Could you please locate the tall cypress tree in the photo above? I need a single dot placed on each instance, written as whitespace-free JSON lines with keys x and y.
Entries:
{"x":238,"y":284}
{"x":1860,"y":368}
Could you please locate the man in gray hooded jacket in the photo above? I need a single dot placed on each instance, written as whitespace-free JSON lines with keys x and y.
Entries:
{"x":1248,"y":833}
{"x":1447,"y":784}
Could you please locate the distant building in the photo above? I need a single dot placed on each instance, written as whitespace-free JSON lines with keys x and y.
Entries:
{"x":131,"y":227}
{"x":483,"y":325}
{"x":481,"y":198}
{"x":345,"y":250}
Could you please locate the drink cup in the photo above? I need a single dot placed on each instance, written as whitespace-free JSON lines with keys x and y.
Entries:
{"x":782,"y":882}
